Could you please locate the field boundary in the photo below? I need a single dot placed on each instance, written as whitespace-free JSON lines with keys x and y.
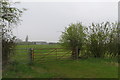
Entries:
{"x":44,"y":54}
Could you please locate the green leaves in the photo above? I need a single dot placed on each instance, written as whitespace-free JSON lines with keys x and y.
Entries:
{"x":97,"y":40}
{"x":73,"y":35}
{"x":9,"y":16}
{"x":100,"y":38}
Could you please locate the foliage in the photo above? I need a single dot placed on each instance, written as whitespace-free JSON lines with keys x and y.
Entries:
{"x":113,"y":40}
{"x":102,"y":39}
{"x":72,"y":38}
{"x":9,"y":16}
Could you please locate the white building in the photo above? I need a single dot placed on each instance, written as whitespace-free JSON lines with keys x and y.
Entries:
{"x":40,"y":42}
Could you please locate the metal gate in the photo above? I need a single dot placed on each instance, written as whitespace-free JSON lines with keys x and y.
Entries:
{"x":49,"y":54}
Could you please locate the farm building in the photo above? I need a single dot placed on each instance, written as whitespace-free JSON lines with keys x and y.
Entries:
{"x":40,"y":42}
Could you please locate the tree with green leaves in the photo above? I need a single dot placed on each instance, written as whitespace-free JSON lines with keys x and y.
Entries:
{"x":113,"y":40}
{"x":73,"y":38}
{"x":9,"y":17}
{"x":102,"y":39}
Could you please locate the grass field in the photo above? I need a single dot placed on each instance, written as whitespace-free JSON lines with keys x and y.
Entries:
{"x":67,"y":68}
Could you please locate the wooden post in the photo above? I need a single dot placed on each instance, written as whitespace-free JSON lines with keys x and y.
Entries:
{"x":56,"y":54}
{"x":30,"y":56}
{"x":77,"y":52}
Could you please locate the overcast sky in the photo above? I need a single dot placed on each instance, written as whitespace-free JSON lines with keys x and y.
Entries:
{"x":44,"y":21}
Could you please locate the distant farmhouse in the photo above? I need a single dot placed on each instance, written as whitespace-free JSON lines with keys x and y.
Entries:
{"x":39,"y":42}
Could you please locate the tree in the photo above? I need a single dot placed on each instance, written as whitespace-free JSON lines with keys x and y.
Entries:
{"x":113,"y":40}
{"x":102,"y":39}
{"x":73,"y":38}
{"x":9,"y":16}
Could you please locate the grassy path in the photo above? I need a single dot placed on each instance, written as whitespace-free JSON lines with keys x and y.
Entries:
{"x":89,"y":68}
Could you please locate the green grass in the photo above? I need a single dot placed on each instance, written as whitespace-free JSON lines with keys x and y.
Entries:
{"x":46,"y":54}
{"x":39,"y":46}
{"x":67,"y":68}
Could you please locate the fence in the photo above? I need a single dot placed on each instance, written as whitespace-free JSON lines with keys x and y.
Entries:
{"x":32,"y":55}
{"x":48,"y":54}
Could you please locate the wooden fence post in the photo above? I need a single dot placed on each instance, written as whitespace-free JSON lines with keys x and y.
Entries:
{"x":77,"y":52}
{"x":30,"y":56}
{"x":56,"y":54}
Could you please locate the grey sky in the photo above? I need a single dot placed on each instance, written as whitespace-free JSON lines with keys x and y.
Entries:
{"x":44,"y":21}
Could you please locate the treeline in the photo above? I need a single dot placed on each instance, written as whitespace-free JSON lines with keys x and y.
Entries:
{"x":97,"y":40}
